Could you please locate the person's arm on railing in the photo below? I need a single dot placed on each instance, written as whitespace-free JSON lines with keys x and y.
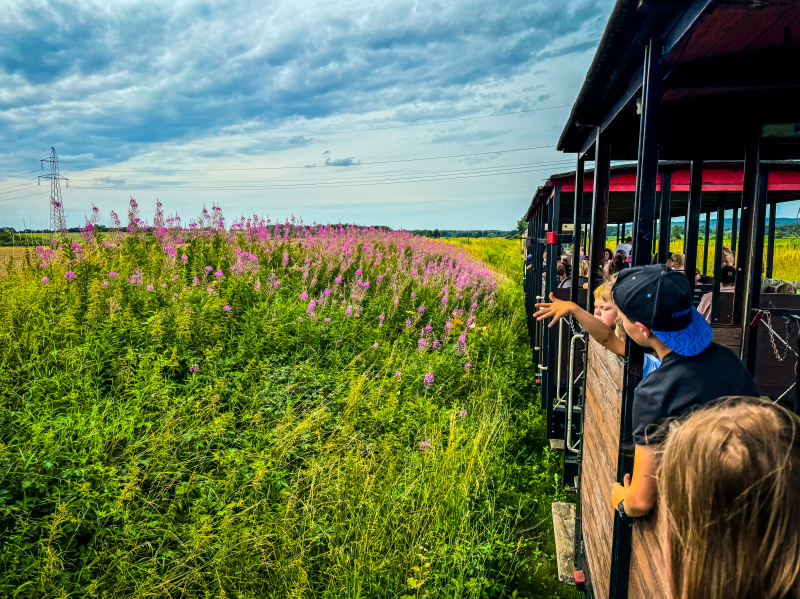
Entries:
{"x":599,"y":331}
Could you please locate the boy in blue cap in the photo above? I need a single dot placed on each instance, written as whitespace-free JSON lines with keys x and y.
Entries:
{"x":655,"y":303}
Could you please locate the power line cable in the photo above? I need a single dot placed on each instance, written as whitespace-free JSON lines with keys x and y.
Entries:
{"x":467,"y":118}
{"x":348,"y":179}
{"x":18,"y":174}
{"x":278,"y":168}
{"x":388,"y":182}
{"x":17,"y":189}
{"x":26,"y":196}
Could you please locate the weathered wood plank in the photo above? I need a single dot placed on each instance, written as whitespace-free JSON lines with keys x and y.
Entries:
{"x":729,"y":336}
{"x":649,"y":578}
{"x":599,"y":463}
{"x":564,"y":529}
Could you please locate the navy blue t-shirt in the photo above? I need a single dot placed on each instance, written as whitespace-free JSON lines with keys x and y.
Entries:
{"x":683,"y":382}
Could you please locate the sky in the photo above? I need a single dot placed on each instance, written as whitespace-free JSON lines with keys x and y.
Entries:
{"x":378,"y":112}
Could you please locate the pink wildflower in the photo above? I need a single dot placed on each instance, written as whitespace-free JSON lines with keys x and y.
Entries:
{"x":70,"y":276}
{"x":45,"y":280}
{"x":226,"y":308}
{"x":428,"y":380}
{"x":425,"y":445}
{"x":194,"y":368}
{"x":149,"y":287}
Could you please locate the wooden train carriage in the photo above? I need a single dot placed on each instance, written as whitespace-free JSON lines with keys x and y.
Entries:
{"x":697,"y":93}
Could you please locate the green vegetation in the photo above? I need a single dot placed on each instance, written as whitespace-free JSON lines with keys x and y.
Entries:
{"x":172,"y":430}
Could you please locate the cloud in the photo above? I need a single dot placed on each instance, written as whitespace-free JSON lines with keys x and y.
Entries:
{"x":136,"y":85}
{"x":342,"y":162}
{"x":112,"y":181}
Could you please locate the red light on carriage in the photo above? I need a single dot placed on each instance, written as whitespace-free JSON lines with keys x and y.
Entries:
{"x":552,"y":237}
{"x":580,"y":580}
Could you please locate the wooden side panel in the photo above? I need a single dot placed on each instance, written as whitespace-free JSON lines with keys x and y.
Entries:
{"x":648,"y":578}
{"x":599,"y":463}
{"x":728,"y":335}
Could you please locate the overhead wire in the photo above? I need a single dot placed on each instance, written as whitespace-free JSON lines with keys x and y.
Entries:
{"x":277,"y":168}
{"x":25,"y":196}
{"x":346,"y":131}
{"x":318,"y":186}
{"x":348,"y":178}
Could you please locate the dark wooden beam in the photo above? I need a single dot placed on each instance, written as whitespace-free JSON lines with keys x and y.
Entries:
{"x":642,"y":229}
{"x":577,"y":221}
{"x":692,"y":230}
{"x":755,"y":270}
{"x":741,"y":304}
{"x":718,"y":257}
{"x":771,"y":238}
{"x":600,"y":201}
{"x":549,"y":389}
{"x":666,"y":221}
{"x":734,"y":229}
{"x":705,"y":243}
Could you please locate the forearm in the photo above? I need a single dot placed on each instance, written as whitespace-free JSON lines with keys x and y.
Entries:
{"x":599,"y":331}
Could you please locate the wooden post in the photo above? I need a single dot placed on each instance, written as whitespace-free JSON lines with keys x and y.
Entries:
{"x":734,"y":229}
{"x":755,"y":268}
{"x":693,"y":219}
{"x":618,"y":232}
{"x":741,"y":303}
{"x":705,"y":243}
{"x":647,"y":170}
{"x":600,"y":201}
{"x":718,"y":257}
{"x":771,"y":238}
{"x":577,"y":222}
{"x":666,"y":221}
{"x":549,"y":389}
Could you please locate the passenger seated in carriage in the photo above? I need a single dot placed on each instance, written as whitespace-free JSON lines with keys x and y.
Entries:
{"x":655,"y":304}
{"x":727,"y":284}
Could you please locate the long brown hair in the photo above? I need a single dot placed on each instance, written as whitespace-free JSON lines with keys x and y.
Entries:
{"x":729,"y":479}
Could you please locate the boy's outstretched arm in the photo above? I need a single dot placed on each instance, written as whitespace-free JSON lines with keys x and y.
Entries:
{"x":641,"y":492}
{"x":599,"y":331}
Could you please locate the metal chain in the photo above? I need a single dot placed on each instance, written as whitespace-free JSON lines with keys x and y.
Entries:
{"x":572,"y":322}
{"x":773,"y":334}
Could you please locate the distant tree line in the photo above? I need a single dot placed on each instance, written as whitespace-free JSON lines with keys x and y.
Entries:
{"x":437,"y":233}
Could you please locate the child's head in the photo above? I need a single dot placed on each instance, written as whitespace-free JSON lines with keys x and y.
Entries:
{"x":583,"y":269}
{"x":678,"y":261}
{"x":729,"y":515}
{"x":727,"y":257}
{"x":604,"y":307}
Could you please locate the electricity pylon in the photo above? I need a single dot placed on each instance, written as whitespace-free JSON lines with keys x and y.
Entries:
{"x":58,"y":220}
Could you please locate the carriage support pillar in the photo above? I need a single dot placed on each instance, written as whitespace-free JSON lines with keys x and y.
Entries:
{"x":666,"y":222}
{"x":718,"y":257}
{"x":771,"y":238}
{"x":600,"y":201}
{"x":692,"y":231}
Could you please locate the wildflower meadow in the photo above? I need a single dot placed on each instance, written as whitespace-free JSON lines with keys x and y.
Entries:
{"x":262,"y":409}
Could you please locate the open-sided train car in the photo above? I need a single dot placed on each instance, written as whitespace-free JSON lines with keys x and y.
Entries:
{"x":699,"y":95}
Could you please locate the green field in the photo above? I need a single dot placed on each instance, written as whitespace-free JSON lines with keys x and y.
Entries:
{"x":155,"y":443}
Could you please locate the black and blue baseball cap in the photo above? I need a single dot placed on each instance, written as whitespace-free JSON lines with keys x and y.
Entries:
{"x":661,"y":299}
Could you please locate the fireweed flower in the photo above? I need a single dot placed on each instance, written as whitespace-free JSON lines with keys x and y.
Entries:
{"x":45,"y":280}
{"x":408,"y":324}
{"x":413,"y":294}
{"x":149,"y":287}
{"x":421,"y":309}
{"x":380,"y":278}
{"x":326,"y":293}
{"x":226,"y":308}
{"x":425,"y":445}
{"x":277,"y":283}
{"x":398,"y":375}
{"x":422,"y":345}
{"x":428,"y":380}
{"x":467,"y":366}
{"x":303,"y":296}
{"x":174,"y":295}
{"x":194,"y":368}
{"x":327,"y":319}
{"x":174,"y":277}
{"x":462,"y":413}
{"x":381,"y":318}
{"x":210,"y":291}
{"x":208,"y":268}
{"x":218,"y":273}
{"x":375,"y":345}
{"x":338,"y":279}
{"x":112,"y":275}
{"x":70,"y":276}
{"x":184,"y":258}
{"x":195,"y":281}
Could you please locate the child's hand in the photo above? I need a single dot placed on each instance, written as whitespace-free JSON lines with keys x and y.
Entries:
{"x":618,"y":491}
{"x":556,"y":310}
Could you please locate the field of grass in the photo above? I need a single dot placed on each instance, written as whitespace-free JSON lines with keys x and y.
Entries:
{"x":316,"y":412}
{"x":786,"y":264}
